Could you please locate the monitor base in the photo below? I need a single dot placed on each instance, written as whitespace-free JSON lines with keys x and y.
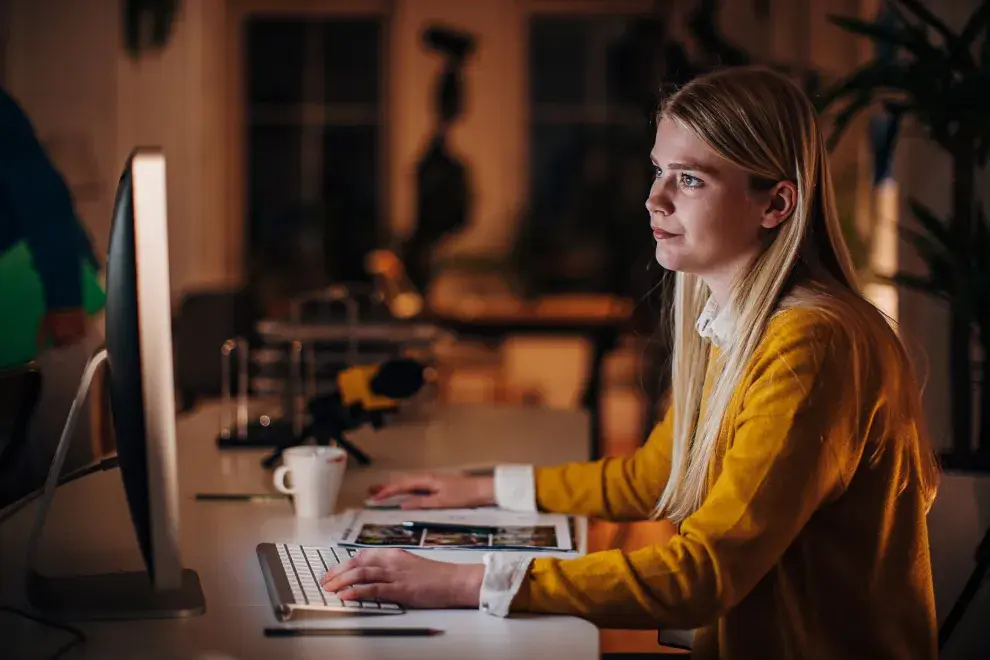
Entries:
{"x":114,"y":596}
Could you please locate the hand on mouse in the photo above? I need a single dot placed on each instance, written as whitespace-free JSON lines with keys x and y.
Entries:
{"x":432,"y":491}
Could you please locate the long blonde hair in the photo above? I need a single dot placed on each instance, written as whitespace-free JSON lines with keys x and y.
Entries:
{"x":760,"y":121}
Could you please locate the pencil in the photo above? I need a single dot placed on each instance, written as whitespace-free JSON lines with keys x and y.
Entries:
{"x":240,"y":497}
{"x":352,"y":632}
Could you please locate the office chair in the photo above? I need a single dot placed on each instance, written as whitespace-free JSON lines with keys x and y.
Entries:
{"x":20,"y":389}
{"x":980,"y":571}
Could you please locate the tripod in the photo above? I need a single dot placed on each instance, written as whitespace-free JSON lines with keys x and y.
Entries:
{"x":969,"y":591}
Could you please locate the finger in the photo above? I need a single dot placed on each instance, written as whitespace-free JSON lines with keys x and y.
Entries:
{"x":379,"y":591}
{"x":406,"y":486}
{"x":354,"y":562}
{"x":362,"y":575}
{"x":422,"y":502}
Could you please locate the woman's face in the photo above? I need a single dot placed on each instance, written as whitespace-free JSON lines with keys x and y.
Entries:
{"x":705,"y":217}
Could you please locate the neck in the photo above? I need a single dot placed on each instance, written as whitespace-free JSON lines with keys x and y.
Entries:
{"x":720,"y":281}
{"x":720,"y":288}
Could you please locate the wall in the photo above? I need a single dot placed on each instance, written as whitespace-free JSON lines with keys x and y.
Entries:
{"x":61,"y":61}
{"x":491,"y":137}
{"x":173,"y":99}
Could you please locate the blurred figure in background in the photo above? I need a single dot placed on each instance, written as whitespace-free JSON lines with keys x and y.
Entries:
{"x":49,"y":288}
{"x":36,"y":209}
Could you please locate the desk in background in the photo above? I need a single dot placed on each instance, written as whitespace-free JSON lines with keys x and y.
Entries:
{"x":88,"y":530}
{"x":600,"y":319}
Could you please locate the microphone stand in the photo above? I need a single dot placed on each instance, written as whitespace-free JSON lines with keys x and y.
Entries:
{"x":330,"y":420}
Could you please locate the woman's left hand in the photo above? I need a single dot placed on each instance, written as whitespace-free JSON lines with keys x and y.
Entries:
{"x":398,"y":576}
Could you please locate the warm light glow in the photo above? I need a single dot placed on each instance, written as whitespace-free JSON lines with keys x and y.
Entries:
{"x":883,"y":256}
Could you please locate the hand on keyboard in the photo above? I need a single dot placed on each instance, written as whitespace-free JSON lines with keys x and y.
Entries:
{"x":293,"y":574}
{"x":401,"y":577}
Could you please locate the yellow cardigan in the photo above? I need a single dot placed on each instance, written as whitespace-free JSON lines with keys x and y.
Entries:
{"x":809,"y":544}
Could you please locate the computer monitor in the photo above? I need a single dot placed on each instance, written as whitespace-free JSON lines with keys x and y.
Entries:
{"x":138,"y":359}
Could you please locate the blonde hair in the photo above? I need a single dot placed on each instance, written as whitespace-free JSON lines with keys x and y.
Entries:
{"x":760,"y":121}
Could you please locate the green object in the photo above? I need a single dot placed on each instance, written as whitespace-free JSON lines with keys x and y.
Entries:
{"x":22,"y":303}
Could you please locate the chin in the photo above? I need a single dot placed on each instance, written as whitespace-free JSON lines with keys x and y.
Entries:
{"x":671,"y":261}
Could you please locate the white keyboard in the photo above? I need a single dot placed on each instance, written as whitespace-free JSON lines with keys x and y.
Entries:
{"x":293,"y":574}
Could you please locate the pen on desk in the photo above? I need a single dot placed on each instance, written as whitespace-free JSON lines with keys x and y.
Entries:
{"x":352,"y":632}
{"x":241,"y":497}
{"x":451,"y":527}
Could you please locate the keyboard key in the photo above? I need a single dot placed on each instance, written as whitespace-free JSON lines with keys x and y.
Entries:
{"x":390,"y":606}
{"x":369,"y":605}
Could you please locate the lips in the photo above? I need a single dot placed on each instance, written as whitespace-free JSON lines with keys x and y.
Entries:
{"x":662,"y":235}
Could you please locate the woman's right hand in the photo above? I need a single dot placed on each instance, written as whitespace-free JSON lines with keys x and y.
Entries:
{"x":434,"y":491}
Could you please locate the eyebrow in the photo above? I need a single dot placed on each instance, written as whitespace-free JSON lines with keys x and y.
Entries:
{"x":695,"y":167}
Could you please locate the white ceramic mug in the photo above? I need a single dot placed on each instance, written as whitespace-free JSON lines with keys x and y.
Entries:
{"x":316,"y":473}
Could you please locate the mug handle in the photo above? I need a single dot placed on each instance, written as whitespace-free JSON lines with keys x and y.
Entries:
{"x":279,"y":478}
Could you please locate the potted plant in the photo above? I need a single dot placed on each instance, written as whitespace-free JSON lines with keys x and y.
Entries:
{"x":940,"y":79}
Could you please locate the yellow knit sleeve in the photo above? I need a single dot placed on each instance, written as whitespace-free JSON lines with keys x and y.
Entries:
{"x":793,"y":446}
{"x":616,"y":488}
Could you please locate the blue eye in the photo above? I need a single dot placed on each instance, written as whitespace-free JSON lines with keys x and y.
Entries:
{"x":689,"y":181}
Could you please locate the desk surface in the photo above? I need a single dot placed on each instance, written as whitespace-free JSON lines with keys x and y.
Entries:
{"x":88,"y":529}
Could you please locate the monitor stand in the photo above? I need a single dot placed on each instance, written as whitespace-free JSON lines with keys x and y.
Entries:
{"x":108,"y":596}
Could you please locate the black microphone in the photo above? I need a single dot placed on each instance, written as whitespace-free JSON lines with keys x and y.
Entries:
{"x":400,"y":378}
{"x":363,"y":395}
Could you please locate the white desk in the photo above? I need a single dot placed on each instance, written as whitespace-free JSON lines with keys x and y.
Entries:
{"x":89,"y":530}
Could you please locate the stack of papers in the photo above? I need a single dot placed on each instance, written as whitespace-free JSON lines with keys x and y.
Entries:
{"x":509,"y":530}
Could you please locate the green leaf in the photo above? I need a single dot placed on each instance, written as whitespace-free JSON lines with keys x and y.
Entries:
{"x":928,"y":18}
{"x":844,"y":118}
{"x":929,"y":250}
{"x":978,"y":21}
{"x":939,"y":261}
{"x":889,"y":35}
{"x":874,"y":78}
{"x":931,"y":223}
{"x":916,"y":283}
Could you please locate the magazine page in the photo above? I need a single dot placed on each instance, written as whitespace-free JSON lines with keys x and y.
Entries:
{"x":481,"y":529}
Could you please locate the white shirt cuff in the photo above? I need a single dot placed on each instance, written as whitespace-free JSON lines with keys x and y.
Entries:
{"x":515,"y":487}
{"x":504,"y":573}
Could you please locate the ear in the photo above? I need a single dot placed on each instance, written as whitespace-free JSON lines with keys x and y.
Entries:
{"x":783,"y":199}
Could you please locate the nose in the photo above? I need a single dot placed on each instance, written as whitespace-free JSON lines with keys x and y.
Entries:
{"x":658,"y":201}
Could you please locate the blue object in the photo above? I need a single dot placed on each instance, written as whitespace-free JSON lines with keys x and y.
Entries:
{"x":36,"y":207}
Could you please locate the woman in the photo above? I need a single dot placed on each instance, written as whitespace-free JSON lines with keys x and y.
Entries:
{"x":792,"y":460}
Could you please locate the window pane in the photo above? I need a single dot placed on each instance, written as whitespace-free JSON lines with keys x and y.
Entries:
{"x":588,"y":229}
{"x":558,"y":51}
{"x":286,"y":233}
{"x":350,"y":192}
{"x":637,"y":57}
{"x":313,"y":189}
{"x":274,"y":60}
{"x":352,"y":55}
{"x":594,"y":90}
